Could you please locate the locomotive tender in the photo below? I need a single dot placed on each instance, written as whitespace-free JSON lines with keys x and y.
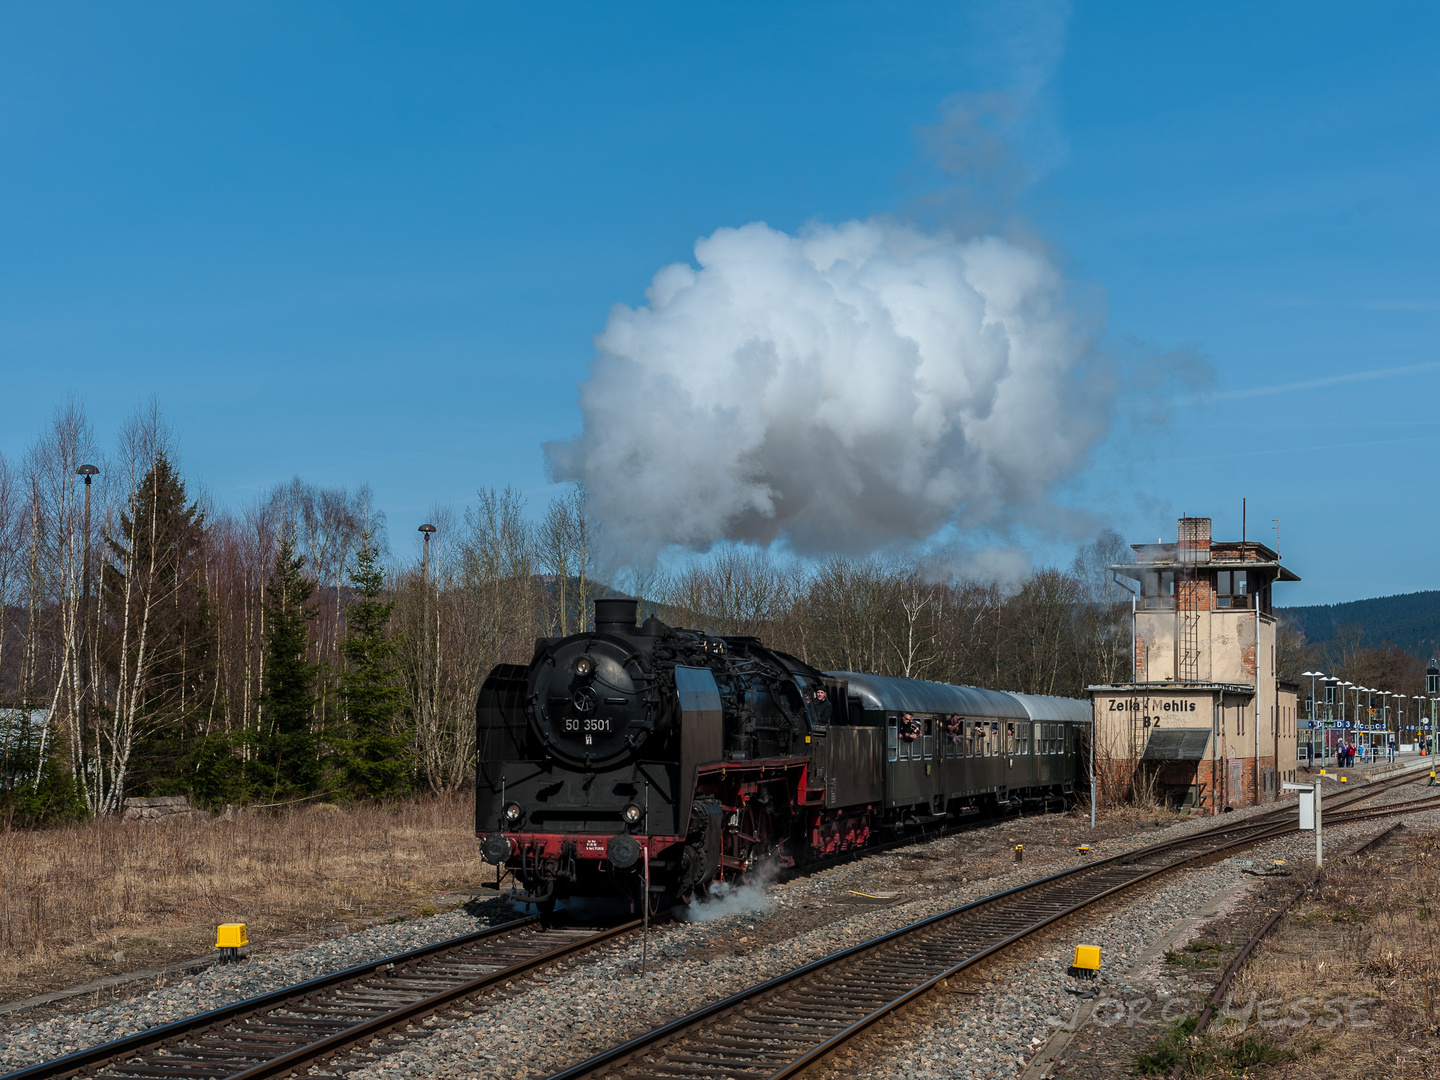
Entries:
{"x":691,"y":758}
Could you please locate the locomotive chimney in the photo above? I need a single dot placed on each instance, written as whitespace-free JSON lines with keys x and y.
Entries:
{"x":615,"y":616}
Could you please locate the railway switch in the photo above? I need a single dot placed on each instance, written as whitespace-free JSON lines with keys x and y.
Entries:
{"x":229,"y":939}
{"x":1087,"y":962}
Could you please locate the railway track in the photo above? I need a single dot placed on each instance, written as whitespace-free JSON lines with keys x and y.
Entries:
{"x":301,"y":1026}
{"x":778,"y":1028}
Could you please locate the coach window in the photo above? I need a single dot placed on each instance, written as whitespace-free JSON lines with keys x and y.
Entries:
{"x":929,"y":737}
{"x":892,"y":736}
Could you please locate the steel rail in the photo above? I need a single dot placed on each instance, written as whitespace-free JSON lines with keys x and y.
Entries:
{"x":1233,"y":969}
{"x":830,"y":1045}
{"x":361,"y":1033}
{"x":425,"y":964}
{"x":764,"y":1045}
{"x":616,"y":1054}
{"x":173,"y":1035}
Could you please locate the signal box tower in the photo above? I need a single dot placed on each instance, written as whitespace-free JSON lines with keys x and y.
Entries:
{"x":1205,"y":721}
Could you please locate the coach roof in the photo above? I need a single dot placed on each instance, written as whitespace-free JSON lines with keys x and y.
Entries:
{"x":887,"y":694}
{"x":1049,"y":709}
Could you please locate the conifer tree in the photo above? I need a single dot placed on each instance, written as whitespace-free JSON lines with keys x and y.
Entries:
{"x":289,"y":759}
{"x":157,"y":651}
{"x":374,"y":757}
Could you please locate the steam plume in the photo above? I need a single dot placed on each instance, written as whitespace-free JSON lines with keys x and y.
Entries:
{"x":847,"y":388}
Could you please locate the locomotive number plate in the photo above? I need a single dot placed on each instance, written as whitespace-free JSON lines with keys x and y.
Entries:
{"x":586,"y":725}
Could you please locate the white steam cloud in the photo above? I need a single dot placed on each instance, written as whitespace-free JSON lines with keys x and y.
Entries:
{"x":851,"y":387}
{"x":727,"y":898}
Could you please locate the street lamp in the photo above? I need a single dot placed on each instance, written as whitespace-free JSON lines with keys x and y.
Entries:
{"x":1432,"y":690}
{"x":1312,"y":676}
{"x":426,"y":530}
{"x":88,"y":471}
{"x":1370,"y":718}
{"x":1333,"y":689}
{"x":1344,"y":704}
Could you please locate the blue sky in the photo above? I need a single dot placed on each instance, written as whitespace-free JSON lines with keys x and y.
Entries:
{"x":370,"y":243}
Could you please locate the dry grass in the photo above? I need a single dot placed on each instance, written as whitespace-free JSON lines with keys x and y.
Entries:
{"x":96,"y":891}
{"x":1368,"y":931}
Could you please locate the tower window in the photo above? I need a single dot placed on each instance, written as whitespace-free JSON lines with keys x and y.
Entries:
{"x":1232,"y":588}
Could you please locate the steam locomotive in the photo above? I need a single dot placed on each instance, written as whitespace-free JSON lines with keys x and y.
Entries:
{"x":648,"y":753}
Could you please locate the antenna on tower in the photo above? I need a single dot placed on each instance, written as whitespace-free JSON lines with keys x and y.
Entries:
{"x":1277,"y":534}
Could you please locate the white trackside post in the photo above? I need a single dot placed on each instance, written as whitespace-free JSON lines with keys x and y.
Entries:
{"x":1310,"y":814}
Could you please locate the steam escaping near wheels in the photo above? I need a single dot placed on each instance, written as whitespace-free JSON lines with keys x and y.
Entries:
{"x":847,"y":388}
{"x":732,"y":898}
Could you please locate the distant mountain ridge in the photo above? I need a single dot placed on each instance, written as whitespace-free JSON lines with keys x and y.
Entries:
{"x":1409,"y":620}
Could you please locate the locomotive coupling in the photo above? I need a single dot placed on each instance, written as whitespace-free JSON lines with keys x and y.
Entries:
{"x":496,"y":849}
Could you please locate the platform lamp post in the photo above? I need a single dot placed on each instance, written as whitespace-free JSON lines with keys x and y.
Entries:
{"x":425,"y":530}
{"x":1432,"y":690}
{"x":1344,"y":686}
{"x":1359,"y":721}
{"x":1332,"y":691}
{"x":1314,"y":710}
{"x":1368,"y":719}
{"x":1388,"y":717}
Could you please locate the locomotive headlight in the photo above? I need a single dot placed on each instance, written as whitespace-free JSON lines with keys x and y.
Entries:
{"x":631,"y":814}
{"x":511,"y":813}
{"x":584,"y":666}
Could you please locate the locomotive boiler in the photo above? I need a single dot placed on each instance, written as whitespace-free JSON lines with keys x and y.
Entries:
{"x":652,"y":753}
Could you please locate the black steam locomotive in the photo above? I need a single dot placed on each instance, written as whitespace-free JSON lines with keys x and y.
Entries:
{"x":684,"y":758}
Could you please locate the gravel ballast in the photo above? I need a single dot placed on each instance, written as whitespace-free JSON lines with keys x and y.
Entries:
{"x":27,"y":1044}
{"x":600,"y":999}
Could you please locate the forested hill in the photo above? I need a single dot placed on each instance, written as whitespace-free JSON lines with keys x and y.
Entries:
{"x":1410,"y":620}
